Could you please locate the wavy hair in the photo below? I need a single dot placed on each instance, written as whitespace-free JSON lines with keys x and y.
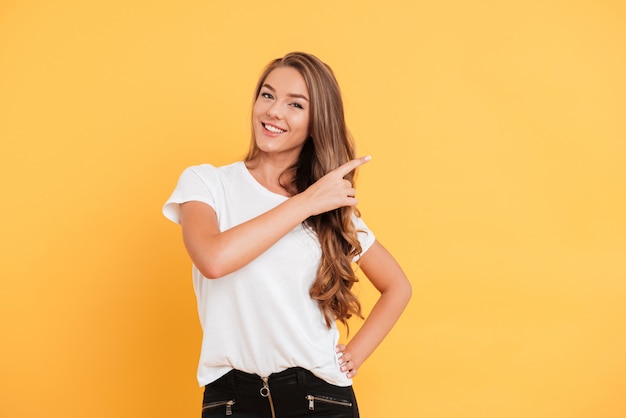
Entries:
{"x":328,"y":146}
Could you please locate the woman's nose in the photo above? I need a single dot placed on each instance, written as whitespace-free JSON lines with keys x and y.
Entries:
{"x":273,"y":111}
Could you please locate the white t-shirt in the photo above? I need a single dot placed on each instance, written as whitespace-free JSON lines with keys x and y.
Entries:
{"x":259,"y":319}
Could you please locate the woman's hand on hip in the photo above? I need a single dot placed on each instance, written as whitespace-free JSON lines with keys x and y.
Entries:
{"x":346,"y":363}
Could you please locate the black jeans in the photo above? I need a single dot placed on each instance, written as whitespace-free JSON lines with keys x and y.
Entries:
{"x":292,"y":393}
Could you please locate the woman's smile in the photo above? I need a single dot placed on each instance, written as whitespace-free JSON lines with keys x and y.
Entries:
{"x":273,"y":129}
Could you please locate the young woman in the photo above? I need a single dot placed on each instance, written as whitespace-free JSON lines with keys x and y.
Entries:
{"x":274,"y":240}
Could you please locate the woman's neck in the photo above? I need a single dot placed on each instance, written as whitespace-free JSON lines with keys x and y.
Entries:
{"x":271,"y":174}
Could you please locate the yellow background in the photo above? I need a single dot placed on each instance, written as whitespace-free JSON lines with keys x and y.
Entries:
{"x":498,"y":137}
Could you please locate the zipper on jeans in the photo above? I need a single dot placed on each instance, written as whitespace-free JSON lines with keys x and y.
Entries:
{"x":325,"y":399}
{"x":228,"y":404}
{"x":265,"y":392}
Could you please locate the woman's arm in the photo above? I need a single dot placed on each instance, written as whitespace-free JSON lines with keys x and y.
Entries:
{"x":216,"y":253}
{"x":395,"y":291}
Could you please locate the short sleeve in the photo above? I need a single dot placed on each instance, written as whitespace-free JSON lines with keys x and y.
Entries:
{"x":196,"y":183}
{"x":366,"y":236}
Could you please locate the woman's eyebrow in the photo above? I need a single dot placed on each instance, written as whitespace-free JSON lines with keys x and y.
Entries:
{"x":294,"y":95}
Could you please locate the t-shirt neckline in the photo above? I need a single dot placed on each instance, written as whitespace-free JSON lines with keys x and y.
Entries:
{"x":258,"y":185}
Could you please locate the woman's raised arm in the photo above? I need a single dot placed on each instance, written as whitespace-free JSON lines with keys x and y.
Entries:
{"x":216,"y":253}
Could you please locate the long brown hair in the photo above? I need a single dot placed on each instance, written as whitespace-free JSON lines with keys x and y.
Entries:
{"x":329,"y":146}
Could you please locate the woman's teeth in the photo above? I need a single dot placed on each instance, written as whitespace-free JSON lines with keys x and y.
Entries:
{"x":273,"y":129}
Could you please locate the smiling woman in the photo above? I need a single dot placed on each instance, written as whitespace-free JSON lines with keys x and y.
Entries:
{"x":273,"y":240}
{"x":281,"y":117}
{"x":497,"y":131}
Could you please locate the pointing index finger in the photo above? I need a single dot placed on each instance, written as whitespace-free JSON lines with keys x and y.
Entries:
{"x":352,"y":165}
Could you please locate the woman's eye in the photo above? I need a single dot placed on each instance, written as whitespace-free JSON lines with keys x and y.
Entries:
{"x":298,"y":105}
{"x":267,"y":95}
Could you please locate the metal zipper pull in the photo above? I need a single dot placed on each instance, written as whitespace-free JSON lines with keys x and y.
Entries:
{"x":311,"y":400}
{"x":265,"y":390}
{"x":229,"y":407}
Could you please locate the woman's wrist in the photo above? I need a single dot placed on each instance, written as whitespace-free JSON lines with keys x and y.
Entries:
{"x":303,"y":205}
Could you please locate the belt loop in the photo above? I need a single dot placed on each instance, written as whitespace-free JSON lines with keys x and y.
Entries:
{"x":231,"y":379}
{"x":301,"y":375}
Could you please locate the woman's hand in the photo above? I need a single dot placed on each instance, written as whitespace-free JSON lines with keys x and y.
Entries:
{"x":346,"y":364}
{"x":333,"y":191}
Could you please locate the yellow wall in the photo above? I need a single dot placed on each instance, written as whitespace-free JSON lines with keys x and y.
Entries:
{"x":498,"y":136}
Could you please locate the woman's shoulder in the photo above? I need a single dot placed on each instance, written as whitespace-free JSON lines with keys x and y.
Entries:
{"x":210,"y":170}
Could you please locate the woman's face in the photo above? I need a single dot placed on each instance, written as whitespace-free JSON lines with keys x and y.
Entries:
{"x":281,"y":112}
